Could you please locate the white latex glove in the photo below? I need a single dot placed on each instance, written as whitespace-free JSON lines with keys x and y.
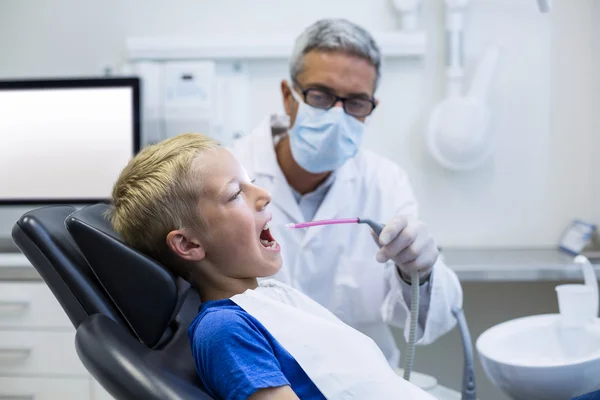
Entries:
{"x":406,"y":241}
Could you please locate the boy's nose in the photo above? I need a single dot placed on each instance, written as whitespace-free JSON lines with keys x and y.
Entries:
{"x":261,"y":205}
{"x":263,"y":199}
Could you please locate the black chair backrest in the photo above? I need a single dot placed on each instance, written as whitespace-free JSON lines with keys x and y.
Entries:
{"x":147,"y":295}
{"x":157,"y":307}
{"x":42,"y":237}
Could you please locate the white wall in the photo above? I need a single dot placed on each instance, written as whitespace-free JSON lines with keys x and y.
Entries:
{"x":541,"y":174}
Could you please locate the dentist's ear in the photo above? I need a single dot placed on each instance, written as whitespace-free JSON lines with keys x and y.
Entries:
{"x":289,"y":103}
{"x":185,"y":246}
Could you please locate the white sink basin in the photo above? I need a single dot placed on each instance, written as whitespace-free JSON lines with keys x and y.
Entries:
{"x":534,"y":358}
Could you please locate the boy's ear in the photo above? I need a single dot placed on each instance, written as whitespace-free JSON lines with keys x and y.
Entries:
{"x":185,"y":246}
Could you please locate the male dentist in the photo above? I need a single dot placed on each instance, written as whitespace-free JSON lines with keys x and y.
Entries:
{"x":317,"y":169}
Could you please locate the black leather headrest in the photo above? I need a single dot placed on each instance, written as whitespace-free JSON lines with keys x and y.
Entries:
{"x":143,"y":290}
{"x":43,"y":238}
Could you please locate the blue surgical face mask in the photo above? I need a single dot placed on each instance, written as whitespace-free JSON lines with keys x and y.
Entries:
{"x":323,"y":140}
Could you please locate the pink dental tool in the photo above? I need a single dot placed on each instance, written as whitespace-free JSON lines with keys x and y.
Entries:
{"x":374,"y":225}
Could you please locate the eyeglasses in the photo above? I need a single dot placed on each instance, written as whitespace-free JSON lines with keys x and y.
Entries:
{"x":358,"y":107}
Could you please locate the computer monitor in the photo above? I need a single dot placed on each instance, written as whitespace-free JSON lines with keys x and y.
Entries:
{"x":66,"y":140}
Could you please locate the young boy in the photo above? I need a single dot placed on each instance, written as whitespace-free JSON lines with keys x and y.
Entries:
{"x":190,"y":205}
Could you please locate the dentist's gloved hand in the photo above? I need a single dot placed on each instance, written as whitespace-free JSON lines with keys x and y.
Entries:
{"x":406,"y":241}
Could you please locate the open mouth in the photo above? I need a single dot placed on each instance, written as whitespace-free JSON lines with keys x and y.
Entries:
{"x":266,"y":239}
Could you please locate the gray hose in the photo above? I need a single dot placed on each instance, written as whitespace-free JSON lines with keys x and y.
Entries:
{"x":468,"y":390}
{"x":409,"y":355}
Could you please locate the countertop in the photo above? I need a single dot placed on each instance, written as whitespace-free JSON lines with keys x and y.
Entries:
{"x":470,"y":265}
{"x":516,"y":265}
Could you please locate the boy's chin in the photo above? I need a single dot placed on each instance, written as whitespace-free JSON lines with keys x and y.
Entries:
{"x":270,"y":270}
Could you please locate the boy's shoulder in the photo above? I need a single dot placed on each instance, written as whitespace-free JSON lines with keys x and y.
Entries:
{"x":213,"y":320}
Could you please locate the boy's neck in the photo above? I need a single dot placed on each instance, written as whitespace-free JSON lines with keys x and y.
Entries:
{"x":224,"y":289}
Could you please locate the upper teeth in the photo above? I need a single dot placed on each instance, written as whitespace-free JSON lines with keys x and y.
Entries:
{"x":266,"y":227}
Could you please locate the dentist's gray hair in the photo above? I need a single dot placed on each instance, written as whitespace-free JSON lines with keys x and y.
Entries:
{"x":335,"y":35}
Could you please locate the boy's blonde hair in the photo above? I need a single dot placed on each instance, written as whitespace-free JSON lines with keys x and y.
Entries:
{"x":157,"y":192}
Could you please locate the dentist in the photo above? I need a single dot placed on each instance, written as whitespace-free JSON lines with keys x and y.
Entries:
{"x":317,"y":169}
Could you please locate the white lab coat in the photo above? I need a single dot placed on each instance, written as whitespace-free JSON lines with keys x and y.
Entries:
{"x":335,"y":265}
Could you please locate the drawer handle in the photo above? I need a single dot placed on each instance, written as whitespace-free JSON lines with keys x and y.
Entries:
{"x":14,"y":354}
{"x":17,"y":397}
{"x":13,"y":308}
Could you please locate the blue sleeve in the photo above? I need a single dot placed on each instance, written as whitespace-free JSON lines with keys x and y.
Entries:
{"x":233,"y":358}
{"x":589,"y":396}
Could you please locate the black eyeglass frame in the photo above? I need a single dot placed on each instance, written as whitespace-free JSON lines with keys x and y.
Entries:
{"x":336,"y":99}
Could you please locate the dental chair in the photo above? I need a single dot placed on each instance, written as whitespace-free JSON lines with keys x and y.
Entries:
{"x":131,"y":314}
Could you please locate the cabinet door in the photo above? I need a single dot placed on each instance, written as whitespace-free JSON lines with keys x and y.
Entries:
{"x":39,"y":353}
{"x":30,"y":305}
{"x":44,"y":389}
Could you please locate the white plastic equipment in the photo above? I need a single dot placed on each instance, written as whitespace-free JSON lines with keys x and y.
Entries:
{"x":458,"y":135}
{"x":552,"y":356}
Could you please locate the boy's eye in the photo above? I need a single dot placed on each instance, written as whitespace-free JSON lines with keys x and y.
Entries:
{"x":235,"y":195}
